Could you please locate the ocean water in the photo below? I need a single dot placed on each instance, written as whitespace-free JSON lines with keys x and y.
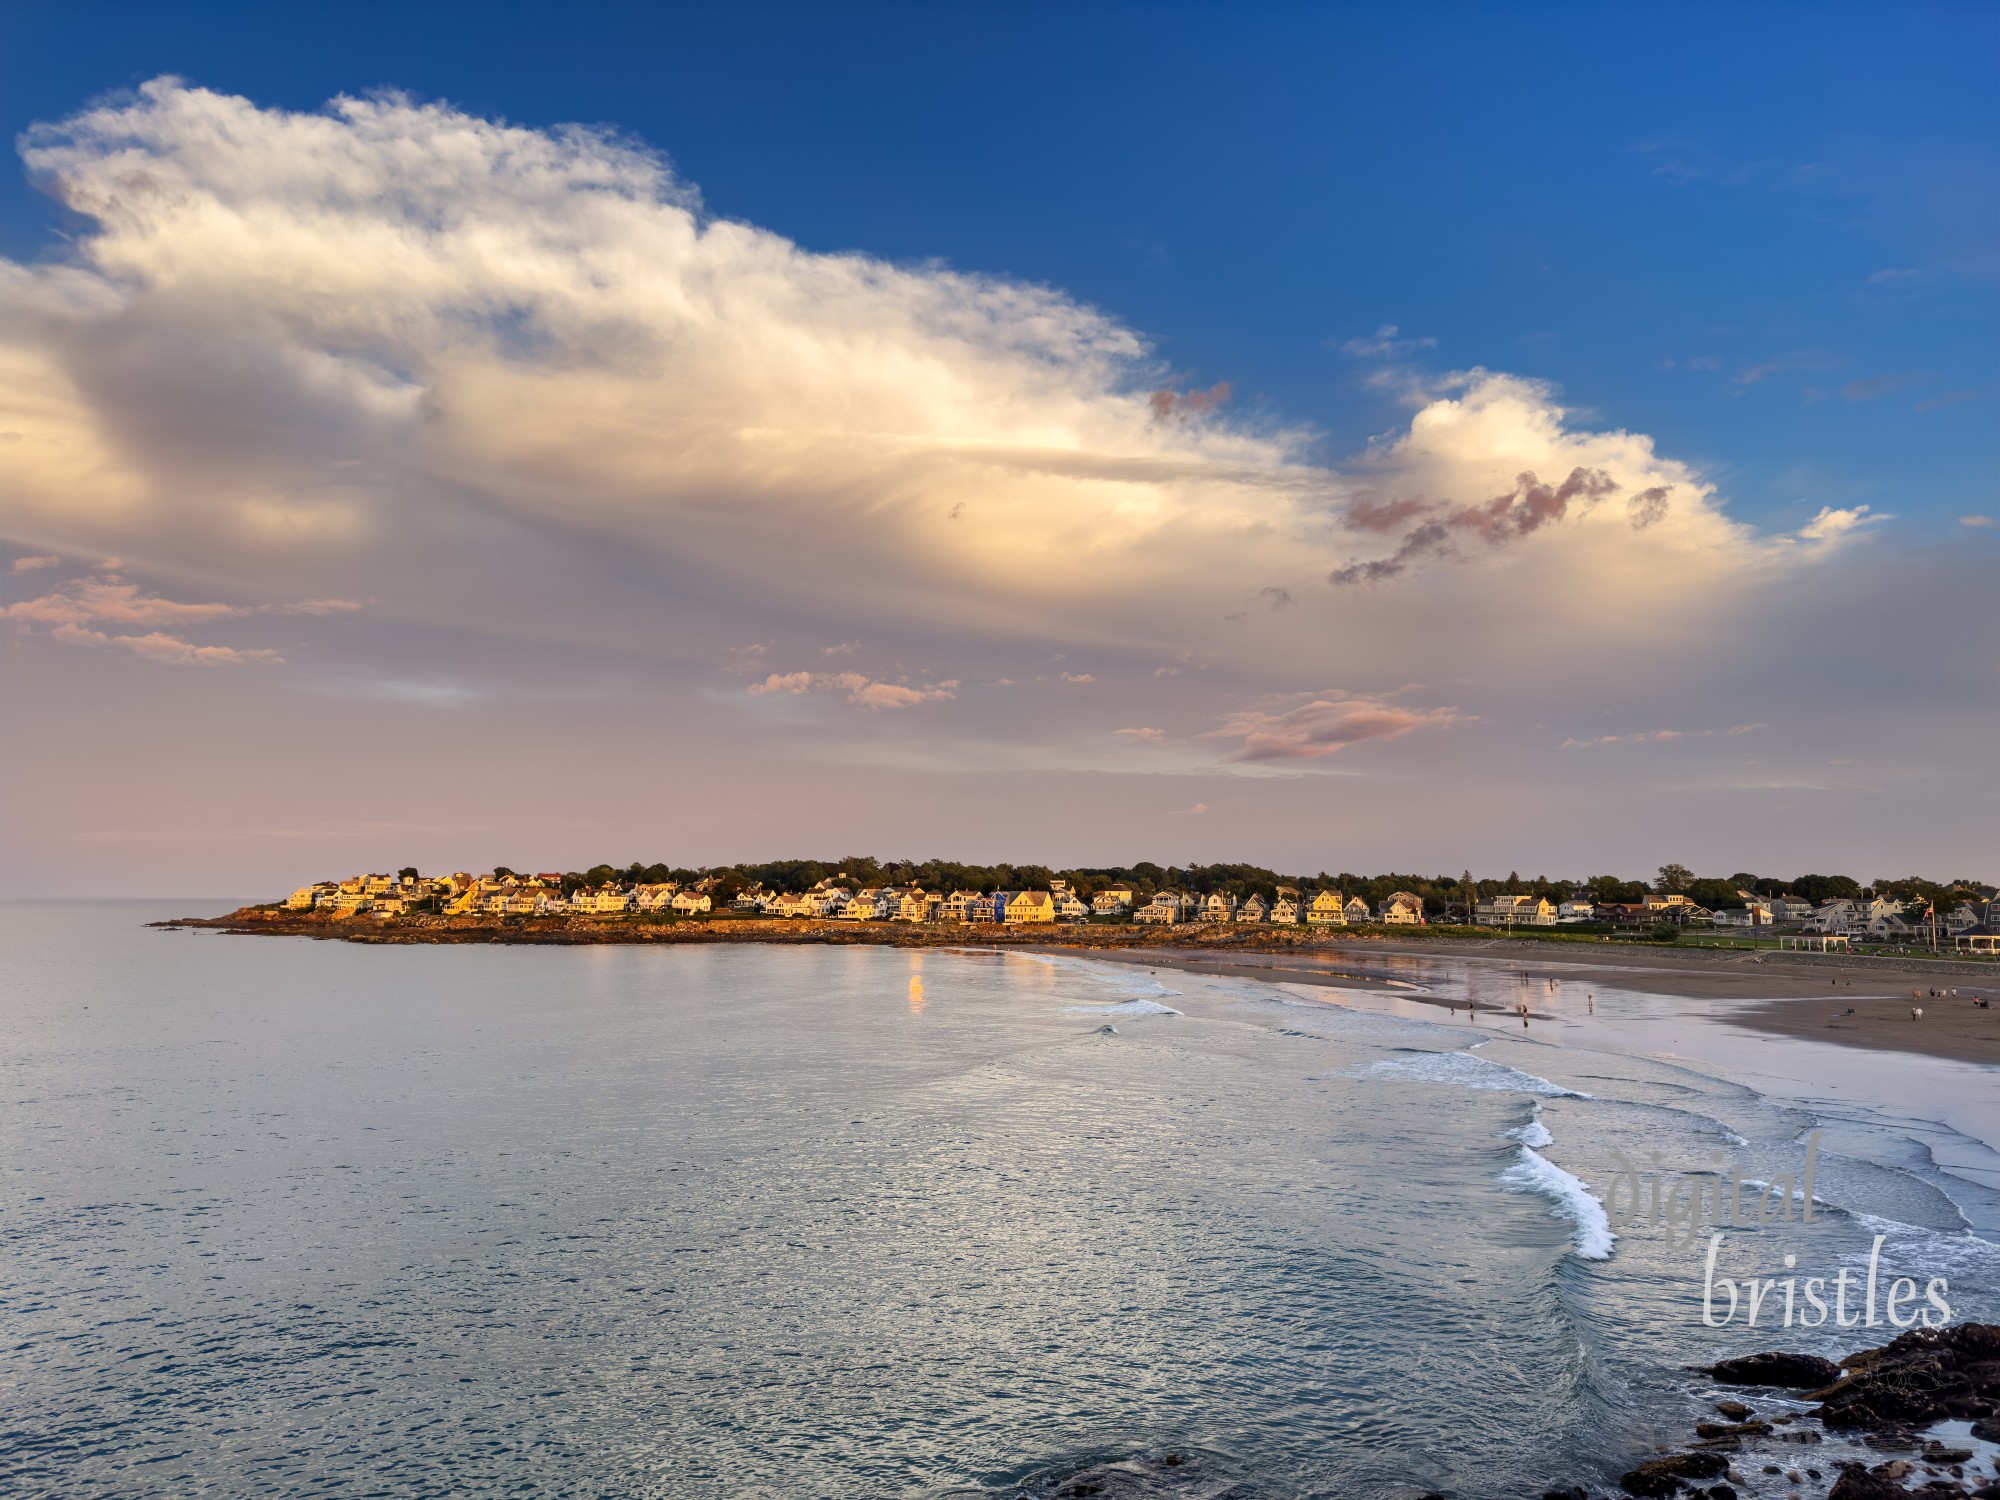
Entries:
{"x":291,"y":1218}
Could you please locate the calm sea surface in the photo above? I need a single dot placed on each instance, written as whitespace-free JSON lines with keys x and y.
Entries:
{"x":286,"y":1218}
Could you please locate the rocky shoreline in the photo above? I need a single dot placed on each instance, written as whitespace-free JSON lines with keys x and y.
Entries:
{"x":1790,"y":1425}
{"x":1784,"y":1413}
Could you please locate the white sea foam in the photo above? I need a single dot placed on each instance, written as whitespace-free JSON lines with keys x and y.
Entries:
{"x":1467,"y":1071}
{"x":1124,"y":1008}
{"x":1573,"y":1201}
{"x":1534,"y":1133}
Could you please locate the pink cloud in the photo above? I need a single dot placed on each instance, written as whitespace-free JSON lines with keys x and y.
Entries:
{"x":860,"y":690}
{"x":1329,"y":723}
{"x":111,"y":600}
{"x":30,"y":564}
{"x":1153,"y":735}
{"x":169,"y":650}
{"x":1655,"y":737}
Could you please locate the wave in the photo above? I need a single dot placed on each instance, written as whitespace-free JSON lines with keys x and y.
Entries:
{"x":1574,"y":1201}
{"x":1123,"y":1008}
{"x":1534,"y":1133}
{"x":1467,"y":1071}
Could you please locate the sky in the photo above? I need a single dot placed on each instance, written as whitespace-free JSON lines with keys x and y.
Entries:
{"x":1543,"y":438}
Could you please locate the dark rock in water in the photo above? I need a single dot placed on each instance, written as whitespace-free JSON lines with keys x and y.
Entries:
{"x":1185,"y":1474}
{"x":1792,"y":1372}
{"x":1731,"y":1429}
{"x":1987,"y":1429}
{"x":1736,"y":1411}
{"x":1910,"y":1381}
{"x":1859,"y":1484}
{"x":1666,"y":1476}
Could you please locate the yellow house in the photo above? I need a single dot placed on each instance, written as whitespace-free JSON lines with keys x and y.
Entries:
{"x":1327,"y":909}
{"x":1031,"y":906}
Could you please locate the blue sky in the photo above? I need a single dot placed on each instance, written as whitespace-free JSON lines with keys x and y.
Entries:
{"x":1605,"y":467}
{"x":1705,"y":221}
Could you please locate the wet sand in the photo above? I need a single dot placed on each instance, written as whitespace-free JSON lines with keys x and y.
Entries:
{"x":1781,"y":995}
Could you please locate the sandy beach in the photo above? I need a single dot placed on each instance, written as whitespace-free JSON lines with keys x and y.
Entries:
{"x":1857,"y":1003}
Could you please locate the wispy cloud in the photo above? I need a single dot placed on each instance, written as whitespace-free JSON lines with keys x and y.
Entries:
{"x":1324,"y":725}
{"x":1387,"y":342}
{"x":32,"y":563}
{"x":167,"y":650}
{"x":861,"y":691}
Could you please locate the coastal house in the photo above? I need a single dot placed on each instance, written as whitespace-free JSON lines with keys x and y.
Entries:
{"x":1113,"y":899}
{"x":1516,"y":911}
{"x":1356,"y":911}
{"x":1403,"y":910}
{"x":390,"y":905}
{"x":654,"y":898}
{"x":1328,"y":908}
{"x":689,"y":903}
{"x":1164,"y":910}
{"x":602,"y":902}
{"x":1069,"y":906}
{"x":1031,"y":906}
{"x":556,"y":904}
{"x":958,"y":906}
{"x":1216,"y":907}
{"x":1285,"y":911}
{"x":790,"y":905}
{"x":1575,"y":910}
{"x":1788,"y":908}
{"x":1253,"y":909}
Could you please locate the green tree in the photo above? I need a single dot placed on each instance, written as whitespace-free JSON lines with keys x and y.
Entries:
{"x":1674,"y":879}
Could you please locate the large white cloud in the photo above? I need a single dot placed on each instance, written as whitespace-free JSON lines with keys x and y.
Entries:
{"x":519,"y":382}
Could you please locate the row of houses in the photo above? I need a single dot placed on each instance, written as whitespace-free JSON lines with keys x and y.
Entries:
{"x":1868,"y":918}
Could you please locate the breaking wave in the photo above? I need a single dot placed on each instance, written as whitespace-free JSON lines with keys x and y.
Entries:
{"x":1572,"y":1199}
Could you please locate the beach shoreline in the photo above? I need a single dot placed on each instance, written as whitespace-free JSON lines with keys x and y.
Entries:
{"x":1782,"y":994}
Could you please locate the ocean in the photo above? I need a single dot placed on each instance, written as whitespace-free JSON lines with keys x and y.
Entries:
{"x":295,"y":1218}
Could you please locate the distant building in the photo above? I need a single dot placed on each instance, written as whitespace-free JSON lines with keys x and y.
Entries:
{"x":1328,"y":908}
{"x":1031,"y":906}
{"x":1403,"y":910}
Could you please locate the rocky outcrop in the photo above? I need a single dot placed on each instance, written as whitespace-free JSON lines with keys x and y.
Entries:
{"x":1924,"y":1376}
